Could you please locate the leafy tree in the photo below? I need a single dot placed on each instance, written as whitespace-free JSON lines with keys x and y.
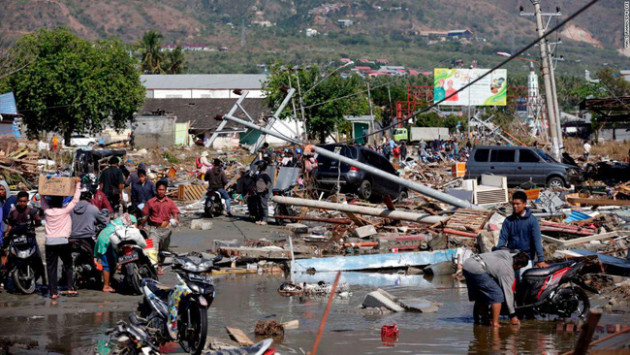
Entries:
{"x":175,"y":62}
{"x":156,"y":61}
{"x":151,"y":53}
{"x":73,"y":85}
{"x":326,"y":98}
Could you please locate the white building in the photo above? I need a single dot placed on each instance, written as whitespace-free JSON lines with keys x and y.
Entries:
{"x":202,"y":86}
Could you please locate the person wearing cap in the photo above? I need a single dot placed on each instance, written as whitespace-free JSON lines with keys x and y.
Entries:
{"x":203,"y":164}
{"x":133,"y":177}
{"x":489,"y":279}
{"x":112,"y":183}
{"x":142,"y":191}
{"x":217,"y":181}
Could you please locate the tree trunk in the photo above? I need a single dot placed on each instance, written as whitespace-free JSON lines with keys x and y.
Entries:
{"x":67,"y":135}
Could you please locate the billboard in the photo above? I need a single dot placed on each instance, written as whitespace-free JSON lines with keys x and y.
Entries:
{"x":489,"y":91}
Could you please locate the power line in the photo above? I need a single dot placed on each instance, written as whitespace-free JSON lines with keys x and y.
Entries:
{"x":517,"y":54}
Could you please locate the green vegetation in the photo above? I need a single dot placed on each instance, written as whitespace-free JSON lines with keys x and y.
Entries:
{"x":74,"y":85}
{"x":326,"y":98}
{"x":156,"y":61}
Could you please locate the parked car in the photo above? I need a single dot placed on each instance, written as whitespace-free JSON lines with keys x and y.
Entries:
{"x":521,"y":165}
{"x":80,"y":140}
{"x":354,"y":180}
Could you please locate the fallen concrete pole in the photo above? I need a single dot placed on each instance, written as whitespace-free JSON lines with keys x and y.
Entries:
{"x":425,"y":190}
{"x":379,"y":212}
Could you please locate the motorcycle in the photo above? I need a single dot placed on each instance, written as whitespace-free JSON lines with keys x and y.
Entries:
{"x":282,"y":209}
{"x":24,"y":263}
{"x":130,"y":338}
{"x":213,"y":206}
{"x":553,"y":291}
{"x":134,"y":261}
{"x":84,"y":271}
{"x":179,"y":313}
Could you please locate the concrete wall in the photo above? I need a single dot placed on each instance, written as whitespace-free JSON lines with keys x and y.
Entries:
{"x":154,"y":131}
{"x":200,"y":94}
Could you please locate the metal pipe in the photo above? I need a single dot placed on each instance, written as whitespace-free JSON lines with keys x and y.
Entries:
{"x":315,"y":219}
{"x":273,"y":119}
{"x":427,"y":191}
{"x":231,"y":112}
{"x":379,"y":212}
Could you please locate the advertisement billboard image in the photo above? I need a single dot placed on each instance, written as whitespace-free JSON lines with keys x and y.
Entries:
{"x":489,"y":91}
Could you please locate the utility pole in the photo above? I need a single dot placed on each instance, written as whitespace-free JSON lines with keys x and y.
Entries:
{"x":549,"y":96}
{"x":553,"y":111}
{"x":297,"y":75}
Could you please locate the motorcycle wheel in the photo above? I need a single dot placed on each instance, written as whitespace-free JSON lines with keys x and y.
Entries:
{"x":217,"y":210}
{"x":132,"y":278}
{"x":24,"y":278}
{"x":193,"y":331}
{"x":572,"y":301}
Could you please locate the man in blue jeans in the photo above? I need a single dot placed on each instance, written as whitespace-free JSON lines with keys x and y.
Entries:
{"x":521,"y":231}
{"x":216,"y":181}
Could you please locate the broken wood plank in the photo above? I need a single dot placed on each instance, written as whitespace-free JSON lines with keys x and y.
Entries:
{"x":565,"y":243}
{"x":239,"y":336}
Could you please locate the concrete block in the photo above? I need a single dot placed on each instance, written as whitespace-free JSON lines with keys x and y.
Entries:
{"x":365,"y":231}
{"x":443,"y":268}
{"x":200,"y":224}
{"x":419,"y":305}
{"x":297,"y":228}
{"x":380,"y":298}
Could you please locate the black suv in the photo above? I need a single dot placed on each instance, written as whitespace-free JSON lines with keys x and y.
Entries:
{"x":521,"y":165}
{"x":351,"y":179}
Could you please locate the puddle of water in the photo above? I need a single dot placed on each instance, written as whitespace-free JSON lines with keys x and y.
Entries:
{"x":244,"y":299}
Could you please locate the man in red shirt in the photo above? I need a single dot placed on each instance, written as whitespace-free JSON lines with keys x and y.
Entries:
{"x":161,"y":213}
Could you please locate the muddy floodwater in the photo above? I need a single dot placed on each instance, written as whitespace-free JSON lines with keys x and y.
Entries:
{"x":76,"y":325}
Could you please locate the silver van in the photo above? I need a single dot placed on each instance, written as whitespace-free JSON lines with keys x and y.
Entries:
{"x":521,"y":165}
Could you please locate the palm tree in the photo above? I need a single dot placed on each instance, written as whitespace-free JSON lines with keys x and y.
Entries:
{"x":175,"y":61}
{"x":152,"y":57}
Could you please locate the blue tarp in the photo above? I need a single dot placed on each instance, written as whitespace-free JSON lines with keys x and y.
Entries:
{"x":7,"y":104}
{"x":613,"y":265}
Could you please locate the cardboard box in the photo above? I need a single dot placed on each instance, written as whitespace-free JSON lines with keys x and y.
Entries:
{"x":56,"y":186}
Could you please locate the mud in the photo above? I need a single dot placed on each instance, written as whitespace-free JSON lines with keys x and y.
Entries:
{"x":35,"y":324}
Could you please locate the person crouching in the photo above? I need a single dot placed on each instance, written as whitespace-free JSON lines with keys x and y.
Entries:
{"x":490,"y":277}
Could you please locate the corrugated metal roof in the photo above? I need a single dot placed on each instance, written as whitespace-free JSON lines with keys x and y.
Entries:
{"x":203,"y":81}
{"x":7,"y":104}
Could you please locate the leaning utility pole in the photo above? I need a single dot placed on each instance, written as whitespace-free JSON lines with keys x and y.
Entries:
{"x":551,"y":99}
{"x":549,"y":96}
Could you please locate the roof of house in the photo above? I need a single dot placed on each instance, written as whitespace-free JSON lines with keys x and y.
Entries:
{"x":203,"y":81}
{"x":201,"y":112}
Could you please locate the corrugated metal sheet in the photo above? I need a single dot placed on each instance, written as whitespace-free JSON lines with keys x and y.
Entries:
{"x":577,"y":216}
{"x":203,"y":81}
{"x":7,"y":104}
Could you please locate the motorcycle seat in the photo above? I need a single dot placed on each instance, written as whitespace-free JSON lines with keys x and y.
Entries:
{"x":539,"y":272}
{"x":159,"y":289}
